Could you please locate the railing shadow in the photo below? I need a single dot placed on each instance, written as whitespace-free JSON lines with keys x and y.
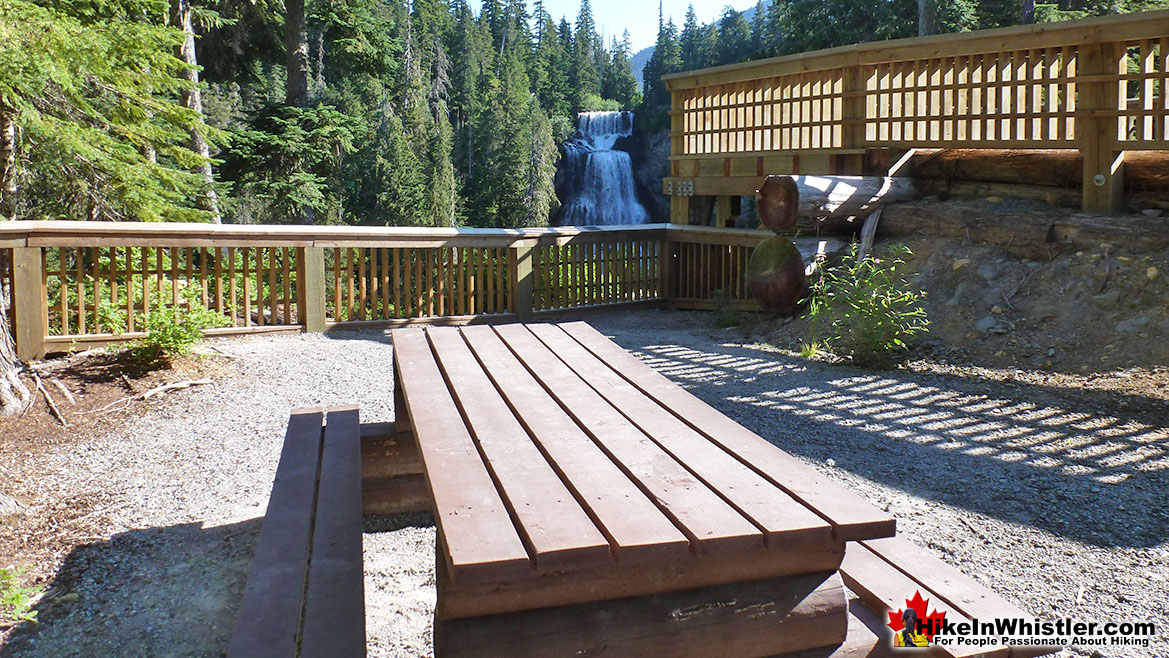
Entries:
{"x":1025,"y":454}
{"x":163,"y":591}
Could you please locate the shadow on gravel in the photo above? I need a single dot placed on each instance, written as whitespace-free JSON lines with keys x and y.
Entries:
{"x":170,"y":591}
{"x":1068,"y":464}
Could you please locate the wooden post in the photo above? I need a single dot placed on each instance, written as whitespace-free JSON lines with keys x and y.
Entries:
{"x":852,"y":133}
{"x":680,"y":209}
{"x":722,"y":211}
{"x":522,"y":283}
{"x":312,"y":289}
{"x":1103,"y":177}
{"x":30,"y":301}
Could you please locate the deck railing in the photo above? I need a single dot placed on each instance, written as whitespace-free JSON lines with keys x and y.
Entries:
{"x":72,"y":282}
{"x":1098,"y":85}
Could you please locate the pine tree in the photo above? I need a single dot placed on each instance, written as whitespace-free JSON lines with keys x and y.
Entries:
{"x":734,"y":37}
{"x":586,"y":79}
{"x":688,"y":43}
{"x":620,"y":84}
{"x":666,"y":59}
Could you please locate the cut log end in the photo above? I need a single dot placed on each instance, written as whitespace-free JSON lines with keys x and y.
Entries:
{"x":777,"y":201}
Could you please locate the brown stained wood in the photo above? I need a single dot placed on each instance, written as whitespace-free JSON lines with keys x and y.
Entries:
{"x":757,"y":618}
{"x":786,"y":522}
{"x":334,"y":612}
{"x":401,"y":494}
{"x":558,"y":532}
{"x":386,"y":452}
{"x":472,"y":519}
{"x":710,"y":523}
{"x":636,"y":528}
{"x":951,"y":585}
{"x":885,"y":589}
{"x":270,"y":612}
{"x":851,"y":516}
{"x":868,"y":637}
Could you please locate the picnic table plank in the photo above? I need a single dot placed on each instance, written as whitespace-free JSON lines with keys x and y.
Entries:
{"x":481,"y":541}
{"x":953,"y":586}
{"x":270,"y":612}
{"x":785,"y":520}
{"x":559,"y":533}
{"x":851,"y":515}
{"x":883,"y":587}
{"x":710,"y":523}
{"x":636,"y":528}
{"x":334,"y":618}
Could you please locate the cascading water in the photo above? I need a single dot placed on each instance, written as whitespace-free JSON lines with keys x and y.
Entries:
{"x":600,"y":186}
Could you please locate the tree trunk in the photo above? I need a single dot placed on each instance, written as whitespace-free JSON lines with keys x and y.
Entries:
{"x":927,"y":17}
{"x":1028,"y":12}
{"x":296,"y":45}
{"x":1146,"y":171}
{"x":7,"y":163}
{"x":192,"y":98}
{"x":14,"y":396}
{"x":836,"y":202}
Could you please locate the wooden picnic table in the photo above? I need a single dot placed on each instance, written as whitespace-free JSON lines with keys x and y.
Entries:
{"x":582,"y":500}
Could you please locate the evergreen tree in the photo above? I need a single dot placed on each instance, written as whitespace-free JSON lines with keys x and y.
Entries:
{"x":666,"y":59}
{"x":689,"y":42}
{"x":620,"y":84}
{"x":586,"y":78}
{"x":734,"y":37}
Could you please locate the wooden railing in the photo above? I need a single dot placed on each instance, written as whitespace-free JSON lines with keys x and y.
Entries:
{"x":1098,"y":85}
{"x":81,"y":284}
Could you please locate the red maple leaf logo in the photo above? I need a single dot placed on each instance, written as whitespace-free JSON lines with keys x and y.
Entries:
{"x":930,"y":623}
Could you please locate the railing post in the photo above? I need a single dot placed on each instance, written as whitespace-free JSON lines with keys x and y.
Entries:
{"x":669,"y":269}
{"x":29,"y":297}
{"x":522,"y":282}
{"x":852,"y":132}
{"x":1097,"y":134}
{"x":313,"y":289}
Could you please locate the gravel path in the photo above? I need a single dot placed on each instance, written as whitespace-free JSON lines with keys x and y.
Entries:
{"x":1058,"y":508}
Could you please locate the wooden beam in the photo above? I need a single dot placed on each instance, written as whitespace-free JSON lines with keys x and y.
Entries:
{"x":29,"y":298}
{"x":758,"y":618}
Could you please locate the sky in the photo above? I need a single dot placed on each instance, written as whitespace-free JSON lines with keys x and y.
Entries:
{"x":640,"y":17}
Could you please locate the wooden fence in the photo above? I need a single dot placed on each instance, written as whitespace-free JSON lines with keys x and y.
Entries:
{"x":1097,"y":85}
{"x":82,"y":284}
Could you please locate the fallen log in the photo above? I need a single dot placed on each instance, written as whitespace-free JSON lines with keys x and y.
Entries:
{"x":1143,"y":170}
{"x":836,"y":202}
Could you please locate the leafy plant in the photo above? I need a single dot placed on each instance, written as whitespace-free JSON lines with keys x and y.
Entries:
{"x":864,"y":309}
{"x":15,"y":600}
{"x":172,"y":330}
{"x":809,"y":350}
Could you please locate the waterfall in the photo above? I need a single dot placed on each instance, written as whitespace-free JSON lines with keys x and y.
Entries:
{"x":600,"y":188}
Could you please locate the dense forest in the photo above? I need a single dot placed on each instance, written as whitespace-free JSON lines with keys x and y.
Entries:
{"x":373,"y":112}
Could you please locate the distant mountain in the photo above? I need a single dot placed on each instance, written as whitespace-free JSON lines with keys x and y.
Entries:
{"x":641,"y":57}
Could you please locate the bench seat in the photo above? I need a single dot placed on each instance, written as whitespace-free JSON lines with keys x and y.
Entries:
{"x":305,"y":591}
{"x":886,"y":572}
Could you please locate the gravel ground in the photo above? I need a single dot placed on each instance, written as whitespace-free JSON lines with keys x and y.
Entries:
{"x":1058,"y":508}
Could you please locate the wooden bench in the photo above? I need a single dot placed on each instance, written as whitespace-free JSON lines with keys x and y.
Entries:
{"x":586,"y":505}
{"x":884,"y":573}
{"x":305,"y":592}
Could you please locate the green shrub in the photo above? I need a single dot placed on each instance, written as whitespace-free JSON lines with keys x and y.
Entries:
{"x":15,"y":600}
{"x":865,"y":309}
{"x":171,"y":330}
